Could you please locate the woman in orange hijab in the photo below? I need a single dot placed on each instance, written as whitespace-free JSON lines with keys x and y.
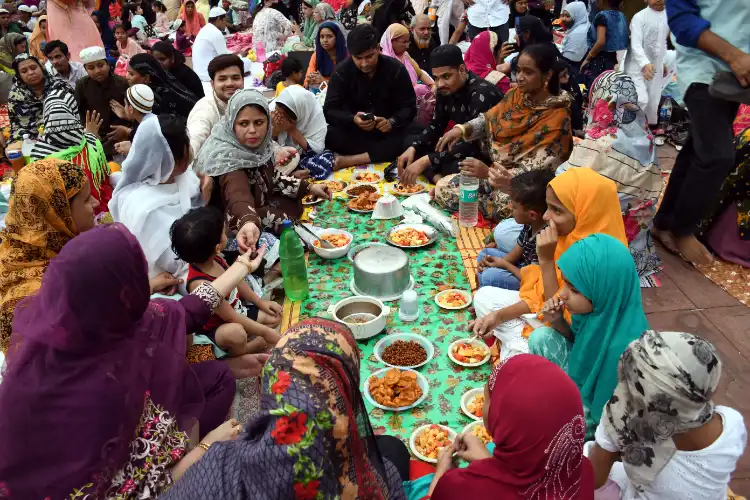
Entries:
{"x":580,"y":202}
{"x":38,"y":37}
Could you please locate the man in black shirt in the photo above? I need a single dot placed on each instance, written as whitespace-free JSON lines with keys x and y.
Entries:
{"x":370,"y":103}
{"x":461,"y":96}
{"x":422,"y":43}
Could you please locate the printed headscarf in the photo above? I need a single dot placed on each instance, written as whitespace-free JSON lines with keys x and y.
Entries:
{"x":38,"y":224}
{"x":666,"y":381}
{"x":223,"y":152}
{"x":312,"y":438}
{"x":538,"y":430}
{"x":7,"y":48}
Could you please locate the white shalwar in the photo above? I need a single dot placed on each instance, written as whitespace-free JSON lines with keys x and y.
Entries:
{"x":648,"y":45}
{"x":489,"y":299}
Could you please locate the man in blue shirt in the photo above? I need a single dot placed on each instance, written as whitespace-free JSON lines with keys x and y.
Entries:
{"x":713,"y":36}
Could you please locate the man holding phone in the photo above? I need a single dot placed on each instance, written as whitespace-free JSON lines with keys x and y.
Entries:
{"x":370,"y":104}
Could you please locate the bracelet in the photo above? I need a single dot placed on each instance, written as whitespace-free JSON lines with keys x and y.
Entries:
{"x":462,"y":129}
{"x":204,"y":445}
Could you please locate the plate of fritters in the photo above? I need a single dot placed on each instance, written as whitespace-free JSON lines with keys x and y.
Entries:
{"x":395,"y":389}
{"x":364,"y":203}
{"x":407,"y":189}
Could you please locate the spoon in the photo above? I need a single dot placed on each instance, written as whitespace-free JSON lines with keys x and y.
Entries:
{"x":323,"y":243}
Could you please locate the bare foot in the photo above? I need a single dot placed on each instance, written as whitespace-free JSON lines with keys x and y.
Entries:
{"x":666,"y":239}
{"x":693,"y":250}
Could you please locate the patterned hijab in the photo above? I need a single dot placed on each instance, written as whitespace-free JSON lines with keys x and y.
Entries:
{"x":38,"y":224}
{"x":223,"y":152}
{"x":8,"y":47}
{"x":313,"y":438}
{"x":538,"y":431}
{"x":666,"y":381}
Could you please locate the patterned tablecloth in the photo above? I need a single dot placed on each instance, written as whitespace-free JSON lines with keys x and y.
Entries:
{"x":433,"y":266}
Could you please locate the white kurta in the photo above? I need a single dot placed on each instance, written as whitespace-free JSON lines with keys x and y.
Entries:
{"x":648,"y":45}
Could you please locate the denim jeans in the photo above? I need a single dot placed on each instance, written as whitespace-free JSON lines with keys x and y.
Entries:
{"x":494,"y":276}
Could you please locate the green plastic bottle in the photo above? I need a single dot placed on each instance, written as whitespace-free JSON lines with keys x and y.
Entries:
{"x":293,"y":266}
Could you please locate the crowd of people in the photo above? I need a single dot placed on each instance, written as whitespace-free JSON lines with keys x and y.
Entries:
{"x":157,"y":180}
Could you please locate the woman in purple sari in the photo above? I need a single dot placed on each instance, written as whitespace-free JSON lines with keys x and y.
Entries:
{"x":97,"y":399}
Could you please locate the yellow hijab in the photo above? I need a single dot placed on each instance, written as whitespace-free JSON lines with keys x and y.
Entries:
{"x":593,"y":200}
{"x":38,"y":224}
{"x":35,"y":41}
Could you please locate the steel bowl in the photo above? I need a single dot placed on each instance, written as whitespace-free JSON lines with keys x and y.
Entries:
{"x":380,"y":270}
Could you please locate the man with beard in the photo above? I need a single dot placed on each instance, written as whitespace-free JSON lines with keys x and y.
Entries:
{"x":370,"y":103}
{"x":422,"y":42}
{"x":225,"y":72}
{"x":461,"y":96}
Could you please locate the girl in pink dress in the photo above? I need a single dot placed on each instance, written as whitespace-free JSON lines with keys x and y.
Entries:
{"x":70,"y":21}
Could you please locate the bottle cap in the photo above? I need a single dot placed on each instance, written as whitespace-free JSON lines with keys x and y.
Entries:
{"x":286,"y":224}
{"x":13,"y":154}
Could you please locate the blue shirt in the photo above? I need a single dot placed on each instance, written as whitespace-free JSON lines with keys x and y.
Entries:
{"x":617,"y":30}
{"x":689,"y":18}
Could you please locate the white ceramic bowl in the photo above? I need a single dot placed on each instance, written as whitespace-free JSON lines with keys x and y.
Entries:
{"x":470,"y":426}
{"x":413,"y":441}
{"x":421,"y":381}
{"x":390,"y":339}
{"x":466,"y":295}
{"x":476,"y":342}
{"x":333,"y":253}
{"x":466,"y":399}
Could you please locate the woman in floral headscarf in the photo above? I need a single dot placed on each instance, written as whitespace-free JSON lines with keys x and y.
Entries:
{"x":312,"y":439}
{"x":661,"y":436}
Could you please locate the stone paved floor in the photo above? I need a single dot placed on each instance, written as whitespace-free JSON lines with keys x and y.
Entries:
{"x":688,"y":301}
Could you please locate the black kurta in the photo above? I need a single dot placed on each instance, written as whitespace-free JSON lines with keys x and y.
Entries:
{"x":475,"y":97}
{"x":92,"y":95}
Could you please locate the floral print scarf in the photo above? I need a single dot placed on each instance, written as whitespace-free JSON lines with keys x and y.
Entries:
{"x":665,"y":385}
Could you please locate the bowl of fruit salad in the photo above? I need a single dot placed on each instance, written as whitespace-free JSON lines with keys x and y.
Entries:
{"x":472,"y":402}
{"x":427,"y":441}
{"x":469,"y":352}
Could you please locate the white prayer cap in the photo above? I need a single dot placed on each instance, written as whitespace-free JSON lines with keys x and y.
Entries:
{"x":216,"y":12}
{"x":92,"y":54}
{"x":25,"y":8}
{"x":34,"y":8}
{"x":141,"y":97}
{"x":4,"y":11}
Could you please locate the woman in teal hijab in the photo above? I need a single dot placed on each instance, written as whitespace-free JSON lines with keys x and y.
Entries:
{"x":602,"y":293}
{"x":308,"y":28}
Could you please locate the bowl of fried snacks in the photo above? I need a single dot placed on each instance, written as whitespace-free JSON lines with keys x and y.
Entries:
{"x":472,"y":402}
{"x":479,"y":430}
{"x":427,"y":441}
{"x":469,"y":352}
{"x":340,"y":239}
{"x":404,"y":350}
{"x":395,"y":389}
{"x":364,"y":203}
{"x":412,"y":235}
{"x":453,"y":299}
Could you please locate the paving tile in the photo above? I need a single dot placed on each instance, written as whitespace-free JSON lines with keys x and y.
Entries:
{"x":700,"y":290}
{"x":734,"y":324}
{"x":667,"y":297}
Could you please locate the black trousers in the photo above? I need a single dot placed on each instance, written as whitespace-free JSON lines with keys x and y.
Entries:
{"x":396,"y":452}
{"x":702,"y":165}
{"x":501,"y":31}
{"x":352,"y":140}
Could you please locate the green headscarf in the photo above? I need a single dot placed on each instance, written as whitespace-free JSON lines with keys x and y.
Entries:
{"x":308,"y":28}
{"x":602,"y":269}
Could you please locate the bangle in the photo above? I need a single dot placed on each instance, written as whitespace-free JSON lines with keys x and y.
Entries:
{"x":462,"y":129}
{"x":204,"y":445}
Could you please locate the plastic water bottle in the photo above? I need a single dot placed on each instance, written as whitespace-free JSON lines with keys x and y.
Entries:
{"x":293,"y":266}
{"x":27,"y":146}
{"x":665,"y":112}
{"x":468,"y":202}
{"x":16,"y":159}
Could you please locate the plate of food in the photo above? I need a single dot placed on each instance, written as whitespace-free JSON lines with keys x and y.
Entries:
{"x":469,"y":352}
{"x":356,"y":190}
{"x":453,"y":299}
{"x":395,"y":389}
{"x":427,"y":441}
{"x":333,"y":186}
{"x":412,"y":235}
{"x":367,"y":177}
{"x":311,"y":199}
{"x":364,"y":203}
{"x":472,"y":403}
{"x":407,"y":189}
{"x":404,"y":350}
{"x":479,"y":430}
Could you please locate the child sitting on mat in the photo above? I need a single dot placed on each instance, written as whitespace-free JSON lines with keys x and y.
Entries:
{"x":528,"y":192}
{"x":198,"y":238}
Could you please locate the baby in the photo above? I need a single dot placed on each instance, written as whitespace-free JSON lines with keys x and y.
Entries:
{"x":198,"y":238}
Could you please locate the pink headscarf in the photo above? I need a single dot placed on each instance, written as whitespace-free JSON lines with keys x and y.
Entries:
{"x":386,"y":47}
{"x":480,"y":58}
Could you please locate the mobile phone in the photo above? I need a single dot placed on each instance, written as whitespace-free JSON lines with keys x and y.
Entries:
{"x":512,"y":46}
{"x":368,"y":116}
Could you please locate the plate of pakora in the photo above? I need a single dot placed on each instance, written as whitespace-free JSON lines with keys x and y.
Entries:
{"x":412,"y":235}
{"x":395,"y":389}
{"x":364,"y":203}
